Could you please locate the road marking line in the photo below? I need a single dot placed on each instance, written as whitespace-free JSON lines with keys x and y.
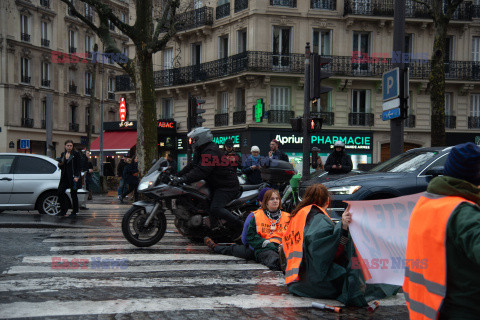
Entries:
{"x":111,"y":239}
{"x":126,"y":247}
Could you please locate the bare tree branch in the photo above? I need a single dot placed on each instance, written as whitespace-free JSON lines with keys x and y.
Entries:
{"x":169,"y":13}
{"x":159,"y":44}
{"x":79,"y":15}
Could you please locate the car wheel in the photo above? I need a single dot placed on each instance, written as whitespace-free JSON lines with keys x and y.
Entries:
{"x":48,"y":204}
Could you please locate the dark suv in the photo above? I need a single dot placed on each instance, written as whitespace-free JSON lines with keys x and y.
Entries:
{"x":407,"y":173}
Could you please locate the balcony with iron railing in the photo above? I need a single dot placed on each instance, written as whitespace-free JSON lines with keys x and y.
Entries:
{"x":323,"y":4}
{"x":25,"y":37}
{"x":473,"y":122}
{"x":361,"y":119}
{"x":27,"y":122}
{"x":221,"y":119}
{"x":45,"y":3}
{"x":72,"y":88}
{"x":88,"y":91}
{"x":239,"y":117}
{"x":222,"y":11}
{"x":89,"y":17}
{"x":111,"y":96}
{"x":74,"y":127}
{"x":45,"y":42}
{"x":284,"y":3}
{"x":450,"y":122}
{"x":476,"y":11}
{"x":385,"y":8}
{"x":409,"y":121}
{"x":276,"y":115}
{"x":72,"y":50}
{"x":25,"y":79}
{"x":268,"y":62}
{"x":45,"y":83}
{"x":194,"y":19}
{"x":328,"y":117}
{"x":240,"y":5}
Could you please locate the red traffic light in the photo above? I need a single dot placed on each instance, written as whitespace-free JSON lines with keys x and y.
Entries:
{"x":312,"y":125}
{"x":190,"y":140}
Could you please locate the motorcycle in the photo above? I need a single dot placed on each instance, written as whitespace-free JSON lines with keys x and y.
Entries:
{"x":145,"y":223}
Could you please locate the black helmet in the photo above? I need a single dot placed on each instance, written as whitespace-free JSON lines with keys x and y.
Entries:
{"x":200,"y":136}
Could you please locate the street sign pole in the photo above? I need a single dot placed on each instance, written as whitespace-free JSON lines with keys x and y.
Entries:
{"x":306,"y":116}
{"x":396,"y":124}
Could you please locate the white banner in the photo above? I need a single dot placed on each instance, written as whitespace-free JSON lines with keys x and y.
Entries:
{"x":379,"y":230}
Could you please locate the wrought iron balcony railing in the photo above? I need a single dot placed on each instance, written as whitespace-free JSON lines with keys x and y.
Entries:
{"x":323,"y":4}
{"x":450,"y":122}
{"x":27,"y":122}
{"x":284,"y":3}
{"x":328,"y":117}
{"x":73,"y":127}
{"x":25,"y":79}
{"x":473,"y":122}
{"x":25,"y":37}
{"x":240,"y":5}
{"x":222,"y":11}
{"x":410,"y":121}
{"x":360,"y":119}
{"x":476,"y":11}
{"x":89,"y":18}
{"x":72,"y":88}
{"x":413,"y":9}
{"x":45,"y":3}
{"x":194,"y":19}
{"x":72,"y":49}
{"x":279,"y":116}
{"x":88,"y":91}
{"x":46,"y":83}
{"x":221,"y":119}
{"x":111,"y":96}
{"x":259,"y":61}
{"x":239,"y":117}
{"x":45,"y":42}
{"x":43,"y":124}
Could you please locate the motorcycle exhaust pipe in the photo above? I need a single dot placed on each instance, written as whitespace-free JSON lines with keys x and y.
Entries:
{"x":195,"y":221}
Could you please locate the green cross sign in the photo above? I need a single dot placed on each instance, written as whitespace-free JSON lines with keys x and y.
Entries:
{"x":258,"y":110}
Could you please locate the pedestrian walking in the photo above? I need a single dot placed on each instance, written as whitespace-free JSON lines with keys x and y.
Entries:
{"x":70,"y":165}
{"x":87,"y":168}
{"x":339,"y":161}
{"x":121,"y":183}
{"x":444,"y":234}
{"x":251,"y":167}
{"x":130,"y":174}
{"x":318,"y":254}
{"x":275,"y":152}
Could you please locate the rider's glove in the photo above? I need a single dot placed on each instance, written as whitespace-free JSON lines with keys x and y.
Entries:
{"x":178,"y":181}
{"x":265,"y":243}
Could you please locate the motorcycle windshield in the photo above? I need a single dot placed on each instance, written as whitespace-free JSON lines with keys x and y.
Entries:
{"x":160,"y":163}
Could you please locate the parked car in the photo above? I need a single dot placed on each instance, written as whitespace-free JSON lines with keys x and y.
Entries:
{"x":405,"y":174}
{"x":30,"y":182}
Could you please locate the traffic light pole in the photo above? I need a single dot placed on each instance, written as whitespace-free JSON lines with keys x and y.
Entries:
{"x":189,"y":128}
{"x":396,"y":125}
{"x":306,"y":117}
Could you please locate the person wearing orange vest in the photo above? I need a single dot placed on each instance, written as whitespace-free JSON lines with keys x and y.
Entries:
{"x":444,"y":231}
{"x":318,"y":253}
{"x":266,"y":230}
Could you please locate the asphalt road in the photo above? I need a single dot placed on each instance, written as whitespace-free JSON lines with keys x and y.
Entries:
{"x":175,"y":279}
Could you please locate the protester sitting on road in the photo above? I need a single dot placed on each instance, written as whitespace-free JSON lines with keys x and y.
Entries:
{"x":444,"y":230}
{"x":243,"y":251}
{"x":251,"y":167}
{"x":339,"y":161}
{"x":318,"y":254}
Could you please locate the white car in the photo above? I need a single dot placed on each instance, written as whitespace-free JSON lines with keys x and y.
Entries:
{"x":30,"y":182}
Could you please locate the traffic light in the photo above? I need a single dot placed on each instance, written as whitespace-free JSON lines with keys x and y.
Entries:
{"x":315,"y":124}
{"x":315,"y":152}
{"x":317,"y":74}
{"x":195,"y":111}
{"x":296,"y":124}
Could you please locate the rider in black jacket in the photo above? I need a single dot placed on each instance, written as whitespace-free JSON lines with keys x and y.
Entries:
{"x":212,"y":165}
{"x":339,"y":161}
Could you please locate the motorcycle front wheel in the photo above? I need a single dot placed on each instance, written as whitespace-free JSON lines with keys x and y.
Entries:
{"x":137,"y":233}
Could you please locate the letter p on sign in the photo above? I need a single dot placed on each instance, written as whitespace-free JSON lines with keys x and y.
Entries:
{"x":391,"y":84}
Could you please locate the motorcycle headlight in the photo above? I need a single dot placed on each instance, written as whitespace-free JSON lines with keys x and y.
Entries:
{"x":344,"y":190}
{"x":147,"y":183}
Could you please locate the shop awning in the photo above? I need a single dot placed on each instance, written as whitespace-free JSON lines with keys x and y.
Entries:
{"x":115,"y":141}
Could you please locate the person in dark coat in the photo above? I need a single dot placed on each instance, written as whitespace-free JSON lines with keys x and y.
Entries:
{"x":212,"y":165}
{"x":172,"y":164}
{"x":130,"y":175}
{"x":121,"y":183}
{"x":251,"y":167}
{"x":232,"y":155}
{"x":275,"y":152}
{"x":339,"y":161}
{"x":87,"y":167}
{"x":70,"y":165}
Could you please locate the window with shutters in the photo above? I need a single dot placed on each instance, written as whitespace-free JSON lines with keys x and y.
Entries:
{"x":166,"y":110}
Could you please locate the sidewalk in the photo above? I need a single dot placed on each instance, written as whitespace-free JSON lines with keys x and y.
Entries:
{"x":33,"y":219}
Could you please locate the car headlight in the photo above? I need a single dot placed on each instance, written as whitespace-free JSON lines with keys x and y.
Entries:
{"x":344,"y":190}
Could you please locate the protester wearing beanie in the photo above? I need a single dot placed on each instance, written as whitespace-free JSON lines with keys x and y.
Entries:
{"x":459,"y":245}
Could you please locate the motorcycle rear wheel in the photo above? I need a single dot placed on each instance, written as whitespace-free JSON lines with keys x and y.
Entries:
{"x":136,"y":233}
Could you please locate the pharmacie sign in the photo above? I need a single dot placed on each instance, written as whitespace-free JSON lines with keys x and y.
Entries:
{"x":326,"y":141}
{"x":222,"y":139}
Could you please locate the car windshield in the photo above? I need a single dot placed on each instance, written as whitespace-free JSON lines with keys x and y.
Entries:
{"x":405,"y":162}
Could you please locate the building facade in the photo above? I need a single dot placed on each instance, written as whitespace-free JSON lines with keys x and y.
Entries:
{"x":242,"y":54}
{"x":44,"y":50}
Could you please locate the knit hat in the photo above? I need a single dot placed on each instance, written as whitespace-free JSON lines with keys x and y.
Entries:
{"x":262,"y":192}
{"x":255,"y":148}
{"x":229,"y":143}
{"x":463,"y":162}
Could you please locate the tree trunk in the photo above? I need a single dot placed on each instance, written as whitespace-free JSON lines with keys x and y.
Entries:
{"x":437,"y":86}
{"x":147,"y":149}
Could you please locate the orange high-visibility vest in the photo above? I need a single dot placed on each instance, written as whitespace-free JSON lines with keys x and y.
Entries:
{"x":264,"y":226}
{"x":293,"y":242}
{"x":425,"y":285}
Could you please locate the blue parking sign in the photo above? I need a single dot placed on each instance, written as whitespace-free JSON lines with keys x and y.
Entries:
{"x":391,"y":84}
{"x":24,"y":143}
